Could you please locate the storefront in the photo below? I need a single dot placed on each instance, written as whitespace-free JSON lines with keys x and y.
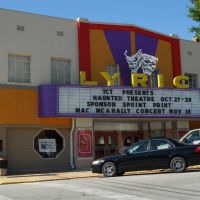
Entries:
{"x":107,"y":119}
{"x":31,"y":144}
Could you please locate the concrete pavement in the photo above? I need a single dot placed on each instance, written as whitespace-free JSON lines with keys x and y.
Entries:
{"x":29,"y":178}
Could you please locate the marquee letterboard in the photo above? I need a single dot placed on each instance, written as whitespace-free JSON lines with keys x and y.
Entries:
{"x":128,"y":102}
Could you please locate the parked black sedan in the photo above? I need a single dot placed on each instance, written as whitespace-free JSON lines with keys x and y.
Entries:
{"x":149,"y":154}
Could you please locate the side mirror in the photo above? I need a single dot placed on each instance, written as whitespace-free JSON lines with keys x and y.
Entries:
{"x":185,"y":140}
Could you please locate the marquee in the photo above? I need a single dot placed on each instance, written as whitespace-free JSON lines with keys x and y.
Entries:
{"x":87,"y":101}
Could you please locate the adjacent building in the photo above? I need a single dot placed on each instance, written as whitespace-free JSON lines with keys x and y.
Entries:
{"x":35,"y":50}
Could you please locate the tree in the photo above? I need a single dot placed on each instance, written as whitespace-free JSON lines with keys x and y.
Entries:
{"x":194,"y":14}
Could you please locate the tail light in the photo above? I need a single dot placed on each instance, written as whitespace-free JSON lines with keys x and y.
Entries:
{"x":197,"y":150}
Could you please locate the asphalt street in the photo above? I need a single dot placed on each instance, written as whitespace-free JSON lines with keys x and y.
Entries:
{"x":162,"y":186}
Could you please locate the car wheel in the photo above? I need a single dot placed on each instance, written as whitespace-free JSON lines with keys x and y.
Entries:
{"x":178,"y":164}
{"x":109,"y":169}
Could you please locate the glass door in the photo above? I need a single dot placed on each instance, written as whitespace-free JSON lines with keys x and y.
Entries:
{"x":106,"y":143}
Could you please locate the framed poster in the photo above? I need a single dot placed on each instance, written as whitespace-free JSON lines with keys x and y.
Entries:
{"x":84,"y":143}
{"x":47,"y":145}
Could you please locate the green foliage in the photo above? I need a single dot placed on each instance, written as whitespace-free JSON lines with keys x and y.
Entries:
{"x":194,"y":14}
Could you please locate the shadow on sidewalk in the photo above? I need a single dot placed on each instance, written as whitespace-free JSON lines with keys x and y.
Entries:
{"x":54,"y":173}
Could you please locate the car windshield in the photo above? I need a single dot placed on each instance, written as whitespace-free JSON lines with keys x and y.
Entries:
{"x":192,"y":137}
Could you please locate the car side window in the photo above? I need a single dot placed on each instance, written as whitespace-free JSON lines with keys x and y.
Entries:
{"x":138,"y":148}
{"x":160,"y":145}
{"x":194,"y":136}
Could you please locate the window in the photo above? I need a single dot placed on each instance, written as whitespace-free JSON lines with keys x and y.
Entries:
{"x":60,"y":71}
{"x":101,"y":140}
{"x":112,"y":69}
{"x":154,"y":78}
{"x":193,"y":79}
{"x":18,"y":69}
{"x":48,"y":144}
{"x":60,"y":33}
{"x":127,"y":141}
{"x":160,"y":145}
{"x":20,"y":28}
{"x":138,"y":148}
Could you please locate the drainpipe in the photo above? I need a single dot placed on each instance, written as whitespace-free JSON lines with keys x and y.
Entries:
{"x":72,"y":144}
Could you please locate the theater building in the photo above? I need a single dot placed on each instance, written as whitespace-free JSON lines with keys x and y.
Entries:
{"x":110,"y":112}
{"x":75,"y":90}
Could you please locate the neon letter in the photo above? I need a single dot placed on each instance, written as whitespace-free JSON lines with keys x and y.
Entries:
{"x":83,"y":79}
{"x":137,"y":79}
{"x":160,"y":80}
{"x":110,"y":79}
{"x":178,"y":82}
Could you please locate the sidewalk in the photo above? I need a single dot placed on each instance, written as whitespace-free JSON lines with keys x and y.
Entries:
{"x":29,"y":178}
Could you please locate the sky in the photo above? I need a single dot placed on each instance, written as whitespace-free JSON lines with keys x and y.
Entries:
{"x":164,"y":16}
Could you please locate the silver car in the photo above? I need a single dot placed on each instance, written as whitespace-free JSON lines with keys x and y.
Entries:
{"x":192,"y":137}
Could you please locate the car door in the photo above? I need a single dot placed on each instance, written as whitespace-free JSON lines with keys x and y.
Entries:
{"x":135,"y":158}
{"x":159,"y":153}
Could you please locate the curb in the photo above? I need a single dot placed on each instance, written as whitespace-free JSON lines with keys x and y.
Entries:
{"x":54,"y":178}
{"x":6,"y":182}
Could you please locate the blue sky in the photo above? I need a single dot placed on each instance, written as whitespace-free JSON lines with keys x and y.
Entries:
{"x":165,"y":16}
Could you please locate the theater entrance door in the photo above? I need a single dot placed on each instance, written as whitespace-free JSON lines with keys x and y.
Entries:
{"x":106,"y":143}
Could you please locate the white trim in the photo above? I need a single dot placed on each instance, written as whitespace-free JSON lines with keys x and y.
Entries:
{"x":72,"y":144}
{"x":118,"y":126}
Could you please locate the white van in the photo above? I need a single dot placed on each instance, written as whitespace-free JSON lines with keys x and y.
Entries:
{"x":192,"y":137}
